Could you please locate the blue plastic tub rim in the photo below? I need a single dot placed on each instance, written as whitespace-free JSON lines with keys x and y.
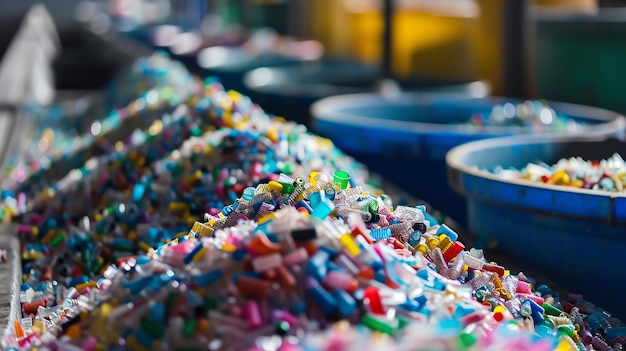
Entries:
{"x":331,"y":110}
{"x":585,"y":204}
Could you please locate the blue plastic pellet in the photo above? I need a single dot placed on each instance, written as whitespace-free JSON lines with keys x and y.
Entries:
{"x":380,"y":276}
{"x":144,"y":338}
{"x":138,"y":192}
{"x":208,"y":278}
{"x":316,"y":266}
{"x":323,"y":209}
{"x":157,"y":312}
{"x":138,"y":284}
{"x":381,"y":233}
{"x":612,"y":333}
{"x":444,"y":229}
{"x":345,"y":302}
{"x":322,"y":297}
{"x":193,"y":252}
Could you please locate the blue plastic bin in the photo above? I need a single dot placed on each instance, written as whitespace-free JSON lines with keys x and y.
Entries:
{"x":290,"y":91}
{"x":222,"y":57}
{"x":576,"y":236}
{"x":230,"y":64}
{"x":405,"y":139}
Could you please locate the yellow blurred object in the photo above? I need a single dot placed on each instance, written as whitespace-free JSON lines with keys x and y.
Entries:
{"x":487,"y":39}
{"x":431,"y":38}
{"x":446,"y":39}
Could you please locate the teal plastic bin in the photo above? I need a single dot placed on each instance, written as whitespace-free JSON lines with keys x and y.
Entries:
{"x":576,"y":236}
{"x":580,"y":57}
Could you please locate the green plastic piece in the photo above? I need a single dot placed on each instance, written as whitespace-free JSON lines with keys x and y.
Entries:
{"x":566,"y":329}
{"x":287,"y":188}
{"x":373,"y":207}
{"x":177,"y":170}
{"x":171,"y":300}
{"x":467,"y":340}
{"x":210,"y":303}
{"x":551,"y":310}
{"x":403,"y":322}
{"x":287,"y":169}
{"x":377,"y":325}
{"x":196,"y":131}
{"x":153,"y":328}
{"x":189,"y":327}
{"x":57,"y":241}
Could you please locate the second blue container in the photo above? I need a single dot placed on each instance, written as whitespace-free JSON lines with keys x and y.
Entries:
{"x":574,"y":236}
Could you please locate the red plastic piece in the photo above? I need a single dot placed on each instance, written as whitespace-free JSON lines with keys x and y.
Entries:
{"x":359,"y":231}
{"x":46,"y":275}
{"x":494,"y":268}
{"x":372,"y":299}
{"x":453,"y":251}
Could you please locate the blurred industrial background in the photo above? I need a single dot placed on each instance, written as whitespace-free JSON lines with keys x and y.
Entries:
{"x":567,"y":47}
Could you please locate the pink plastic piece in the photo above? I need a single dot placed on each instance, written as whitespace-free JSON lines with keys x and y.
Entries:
{"x":266,"y":262}
{"x":296,"y":257}
{"x":523,"y":287}
{"x":253,"y":314}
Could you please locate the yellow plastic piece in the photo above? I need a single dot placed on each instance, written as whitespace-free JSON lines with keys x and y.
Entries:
{"x":193,"y":177}
{"x":275,"y":186}
{"x":234,"y":95}
{"x":178,"y":207}
{"x":228,"y":247}
{"x":444,"y":242}
{"x":560,"y":178}
{"x":82,"y":286}
{"x":198,"y":256}
{"x":421,"y":248}
{"x":39,"y":327}
{"x":578,"y":183}
{"x":312,"y":176}
{"x":348,"y":243}
{"x":132,"y":235}
{"x":432,"y":242}
{"x":499,"y":308}
{"x":102,"y":320}
{"x":144,"y":247}
{"x":267,"y":218}
{"x":272,"y":134}
{"x":32,"y":255}
{"x":52,"y":233}
{"x":564,"y":346}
